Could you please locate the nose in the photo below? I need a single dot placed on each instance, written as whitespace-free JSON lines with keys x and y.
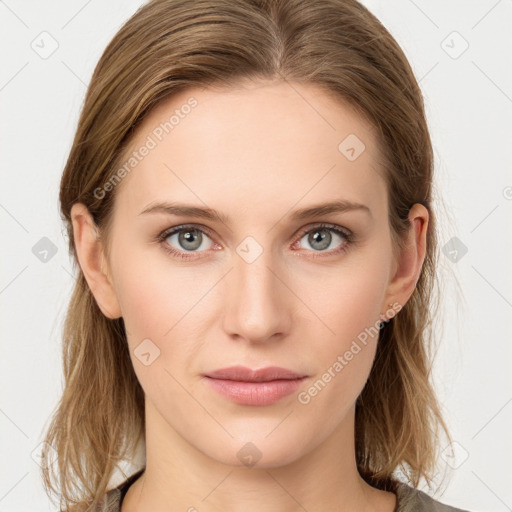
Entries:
{"x":258,"y":304}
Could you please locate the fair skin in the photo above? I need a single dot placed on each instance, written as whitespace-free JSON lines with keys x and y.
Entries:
{"x":256,"y":153}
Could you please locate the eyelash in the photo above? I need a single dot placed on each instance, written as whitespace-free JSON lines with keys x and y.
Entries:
{"x":347,"y":235}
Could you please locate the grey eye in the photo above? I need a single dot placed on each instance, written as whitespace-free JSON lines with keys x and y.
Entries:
{"x":320,"y":238}
{"x":189,"y":239}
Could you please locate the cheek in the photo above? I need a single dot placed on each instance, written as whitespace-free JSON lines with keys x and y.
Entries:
{"x":147,"y":304}
{"x":152,"y":291}
{"x":153,"y":297}
{"x":355,"y":303}
{"x":154,"y":307}
{"x":347,"y":299}
{"x":349,"y":304}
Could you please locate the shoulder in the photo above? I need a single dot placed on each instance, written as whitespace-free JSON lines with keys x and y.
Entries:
{"x":410,"y":499}
{"x":113,"y":499}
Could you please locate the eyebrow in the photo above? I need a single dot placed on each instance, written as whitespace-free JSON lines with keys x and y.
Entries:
{"x":208,"y":213}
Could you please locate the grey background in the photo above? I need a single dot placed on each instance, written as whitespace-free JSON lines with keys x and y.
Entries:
{"x":468,"y":93}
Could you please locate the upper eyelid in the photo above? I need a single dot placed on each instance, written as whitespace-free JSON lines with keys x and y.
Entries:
{"x":181,"y":227}
{"x":325,"y":225}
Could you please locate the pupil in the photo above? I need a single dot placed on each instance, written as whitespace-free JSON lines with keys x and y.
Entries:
{"x":322,"y":239}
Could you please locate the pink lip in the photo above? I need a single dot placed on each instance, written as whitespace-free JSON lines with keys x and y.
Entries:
{"x":254,"y":387}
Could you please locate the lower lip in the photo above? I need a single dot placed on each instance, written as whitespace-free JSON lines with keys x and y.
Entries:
{"x":255,"y":393}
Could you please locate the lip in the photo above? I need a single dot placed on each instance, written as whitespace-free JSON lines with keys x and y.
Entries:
{"x":263,"y":386}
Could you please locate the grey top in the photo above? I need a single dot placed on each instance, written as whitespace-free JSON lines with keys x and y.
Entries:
{"x":409,"y":499}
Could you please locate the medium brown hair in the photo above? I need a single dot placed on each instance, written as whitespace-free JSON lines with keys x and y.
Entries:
{"x":171,"y":45}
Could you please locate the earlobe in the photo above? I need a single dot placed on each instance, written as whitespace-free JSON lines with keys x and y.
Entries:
{"x":410,"y":260}
{"x":92,"y":261}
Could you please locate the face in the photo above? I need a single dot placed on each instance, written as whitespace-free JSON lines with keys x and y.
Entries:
{"x":263,"y":283}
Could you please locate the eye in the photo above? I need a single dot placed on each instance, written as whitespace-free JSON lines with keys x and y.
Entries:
{"x":323,"y":236}
{"x":185,"y":239}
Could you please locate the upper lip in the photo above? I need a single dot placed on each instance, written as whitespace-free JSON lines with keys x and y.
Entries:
{"x":244,"y":374}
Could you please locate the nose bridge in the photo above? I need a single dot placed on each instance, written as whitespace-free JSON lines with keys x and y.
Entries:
{"x":257,"y":302}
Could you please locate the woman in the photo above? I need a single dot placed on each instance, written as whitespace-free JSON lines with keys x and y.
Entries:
{"x":248,"y":198}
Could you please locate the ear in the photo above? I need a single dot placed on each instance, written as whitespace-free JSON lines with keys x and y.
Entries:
{"x":92,"y":260}
{"x":410,"y":260}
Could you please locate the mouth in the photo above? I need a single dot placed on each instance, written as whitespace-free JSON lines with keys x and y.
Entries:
{"x":245,"y":386}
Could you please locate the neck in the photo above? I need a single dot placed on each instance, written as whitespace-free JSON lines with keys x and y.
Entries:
{"x":180,"y":477}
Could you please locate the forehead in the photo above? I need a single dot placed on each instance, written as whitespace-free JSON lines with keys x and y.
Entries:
{"x":260,"y":141}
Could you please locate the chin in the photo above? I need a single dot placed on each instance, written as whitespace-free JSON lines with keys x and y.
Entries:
{"x":259,"y":451}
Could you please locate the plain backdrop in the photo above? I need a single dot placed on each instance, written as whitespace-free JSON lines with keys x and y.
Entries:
{"x":461,"y":54}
